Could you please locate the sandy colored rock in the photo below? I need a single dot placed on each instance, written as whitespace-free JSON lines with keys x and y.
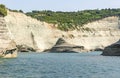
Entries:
{"x":42,"y":36}
{"x":11,"y":50}
{"x":7,"y":45}
{"x":30,"y":32}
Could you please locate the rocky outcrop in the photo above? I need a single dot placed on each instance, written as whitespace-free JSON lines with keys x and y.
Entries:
{"x":62,"y":46}
{"x":10,"y":51}
{"x":112,"y":50}
{"x":25,"y":48}
{"x":7,"y":45}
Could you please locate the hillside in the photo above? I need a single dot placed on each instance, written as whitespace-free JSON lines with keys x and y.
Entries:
{"x":72,"y":20}
{"x":28,"y":31}
{"x":102,"y":33}
{"x":42,"y":36}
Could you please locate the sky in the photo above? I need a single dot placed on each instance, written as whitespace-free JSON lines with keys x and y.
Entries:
{"x":60,"y":5}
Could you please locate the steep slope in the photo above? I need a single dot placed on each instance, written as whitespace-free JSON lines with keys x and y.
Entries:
{"x":7,"y":45}
{"x":41,"y":36}
{"x":28,"y":31}
{"x":96,"y":34}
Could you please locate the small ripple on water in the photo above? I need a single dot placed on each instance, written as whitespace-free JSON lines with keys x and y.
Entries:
{"x":64,"y":65}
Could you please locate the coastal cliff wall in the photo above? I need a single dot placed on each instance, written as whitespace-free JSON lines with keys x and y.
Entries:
{"x":7,"y":44}
{"x":41,"y":36}
{"x":98,"y":34}
{"x":28,"y":31}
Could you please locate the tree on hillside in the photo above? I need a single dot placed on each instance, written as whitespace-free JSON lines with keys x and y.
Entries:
{"x":72,"y":20}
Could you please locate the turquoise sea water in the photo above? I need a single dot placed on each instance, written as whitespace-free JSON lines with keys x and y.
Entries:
{"x":61,"y":65}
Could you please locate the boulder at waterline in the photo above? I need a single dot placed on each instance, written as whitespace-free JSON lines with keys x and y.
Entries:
{"x":10,"y":51}
{"x":112,"y":50}
{"x":62,"y":46}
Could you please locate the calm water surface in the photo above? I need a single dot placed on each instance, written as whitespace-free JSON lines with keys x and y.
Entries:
{"x":60,"y":65}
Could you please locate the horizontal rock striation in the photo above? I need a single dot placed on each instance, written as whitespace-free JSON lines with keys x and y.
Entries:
{"x":7,"y":45}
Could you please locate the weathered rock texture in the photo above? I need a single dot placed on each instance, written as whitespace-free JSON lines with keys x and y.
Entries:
{"x":98,"y":34}
{"x":41,"y":36}
{"x":112,"y":50}
{"x":30,"y":32}
{"x":62,"y":46}
{"x":25,"y":48}
{"x":7,"y":45}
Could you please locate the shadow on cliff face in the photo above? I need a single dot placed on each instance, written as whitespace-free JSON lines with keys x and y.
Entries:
{"x":25,"y":48}
{"x":112,"y":50}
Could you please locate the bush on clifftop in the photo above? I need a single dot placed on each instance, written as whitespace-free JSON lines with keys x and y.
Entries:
{"x":3,"y":10}
{"x":73,"y":20}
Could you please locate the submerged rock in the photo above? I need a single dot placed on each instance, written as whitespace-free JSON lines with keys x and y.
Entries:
{"x":112,"y":50}
{"x":62,"y":46}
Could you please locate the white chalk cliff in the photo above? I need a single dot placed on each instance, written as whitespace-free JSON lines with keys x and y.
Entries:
{"x":42,"y":36}
{"x":99,"y":34}
{"x":28,"y":31}
{"x":7,"y":45}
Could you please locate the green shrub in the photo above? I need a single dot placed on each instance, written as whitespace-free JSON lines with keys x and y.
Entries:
{"x":3,"y":10}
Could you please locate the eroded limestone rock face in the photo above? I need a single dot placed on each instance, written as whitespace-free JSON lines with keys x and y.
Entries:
{"x":97,"y":34}
{"x":42,"y":36}
{"x":7,"y":45}
{"x":30,"y":32}
{"x":112,"y":50}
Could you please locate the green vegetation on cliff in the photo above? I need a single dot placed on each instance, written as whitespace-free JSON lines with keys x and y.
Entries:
{"x":3,"y":10}
{"x":72,"y":20}
{"x":16,"y":11}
